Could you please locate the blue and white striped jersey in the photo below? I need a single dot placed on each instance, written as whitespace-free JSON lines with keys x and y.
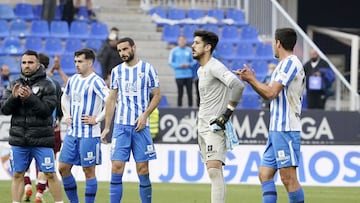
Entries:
{"x":285,"y":109}
{"x":87,"y":97}
{"x":134,"y":85}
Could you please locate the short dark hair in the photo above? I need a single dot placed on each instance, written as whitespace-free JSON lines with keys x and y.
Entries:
{"x":208,"y":37}
{"x":114,"y":29}
{"x":32,"y":53}
{"x":44,"y":59}
{"x":127,"y":39}
{"x":287,"y":38}
{"x":89,"y":53}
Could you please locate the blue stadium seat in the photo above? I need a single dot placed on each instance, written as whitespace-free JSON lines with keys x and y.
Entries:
{"x":245,"y":50}
{"x":39,"y":28}
{"x":188,"y":31}
{"x":79,"y":29}
{"x":18,"y":28}
{"x":250,"y":101}
{"x":163,"y":102}
{"x":59,"y":29}
{"x":99,"y":30}
{"x":216,"y":13}
{"x":83,"y":13}
{"x":171,"y":33}
{"x":238,"y":64}
{"x":195,"y":13}
{"x":12,"y":46}
{"x":229,"y":33}
{"x":67,"y":64}
{"x":94,"y":44}
{"x":211,"y":27}
{"x":4,"y":31}
{"x":237,"y":15}
{"x":249,"y":33}
{"x":53,"y":46}
{"x":34,"y":43}
{"x":225,"y":50}
{"x":264,"y":51}
{"x":24,"y":11}
{"x":97,"y":67}
{"x":6,"y":12}
{"x":261,"y":68}
{"x":37,"y":11}
{"x":160,"y":11}
{"x":72,"y":45}
{"x":176,"y":14}
{"x":11,"y":62}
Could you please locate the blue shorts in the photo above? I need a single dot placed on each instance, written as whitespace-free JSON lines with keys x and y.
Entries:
{"x":282,"y":150}
{"x":21,"y":157}
{"x":83,"y":152}
{"x":125,"y":139}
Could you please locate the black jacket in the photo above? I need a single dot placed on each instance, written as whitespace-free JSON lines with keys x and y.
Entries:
{"x":108,"y":57}
{"x":31,"y":120}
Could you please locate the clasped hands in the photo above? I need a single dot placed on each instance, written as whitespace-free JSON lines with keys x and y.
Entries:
{"x":22,"y":92}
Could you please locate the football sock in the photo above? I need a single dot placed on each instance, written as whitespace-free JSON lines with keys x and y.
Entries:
{"x":71,"y":189}
{"x":27,"y":180}
{"x":145,"y":189}
{"x":90,"y":190}
{"x":116,"y":188}
{"x":217,"y":185}
{"x":297,"y":196}
{"x":269,"y":193}
{"x":41,"y":186}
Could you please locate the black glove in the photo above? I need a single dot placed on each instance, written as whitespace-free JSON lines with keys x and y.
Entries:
{"x":221,"y":120}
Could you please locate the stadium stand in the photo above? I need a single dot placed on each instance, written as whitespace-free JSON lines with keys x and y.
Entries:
{"x":4,"y":31}
{"x":79,"y":29}
{"x":72,"y":45}
{"x":176,"y":14}
{"x":24,"y":11}
{"x":53,"y":46}
{"x":12,"y":46}
{"x":34,"y":43}
{"x":237,"y":15}
{"x":229,"y":33}
{"x":18,"y":27}
{"x":59,"y":29}
{"x":216,"y":13}
{"x":195,"y":13}
{"x":98,"y":30}
{"x":39,"y":28}
{"x":6,"y":12}
{"x":170,"y":33}
{"x":94,"y":44}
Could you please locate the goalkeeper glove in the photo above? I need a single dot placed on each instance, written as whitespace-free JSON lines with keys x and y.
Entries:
{"x":221,"y":120}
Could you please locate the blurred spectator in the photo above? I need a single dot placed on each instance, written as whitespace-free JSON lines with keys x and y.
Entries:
{"x":68,"y":11}
{"x":56,"y":67}
{"x":5,"y":75}
{"x":108,"y":55}
{"x":5,"y":78}
{"x":90,"y":12}
{"x":48,"y":10}
{"x":181,"y":60}
{"x":319,"y":80}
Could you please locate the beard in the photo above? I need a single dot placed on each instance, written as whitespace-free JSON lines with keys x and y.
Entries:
{"x":128,"y":58}
{"x":198,"y":56}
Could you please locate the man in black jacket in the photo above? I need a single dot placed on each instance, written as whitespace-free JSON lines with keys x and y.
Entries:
{"x":108,"y":55}
{"x":31,"y":100}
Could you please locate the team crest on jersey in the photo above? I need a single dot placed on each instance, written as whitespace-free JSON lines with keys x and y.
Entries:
{"x":35,"y":89}
{"x":141,"y":75}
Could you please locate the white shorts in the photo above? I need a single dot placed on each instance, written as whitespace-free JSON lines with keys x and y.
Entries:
{"x":212,"y":144}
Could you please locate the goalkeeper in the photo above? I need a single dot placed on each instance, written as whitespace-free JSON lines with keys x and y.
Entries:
{"x":220,"y":90}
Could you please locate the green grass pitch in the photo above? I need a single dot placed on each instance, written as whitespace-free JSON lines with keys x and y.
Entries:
{"x":200,"y":193}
